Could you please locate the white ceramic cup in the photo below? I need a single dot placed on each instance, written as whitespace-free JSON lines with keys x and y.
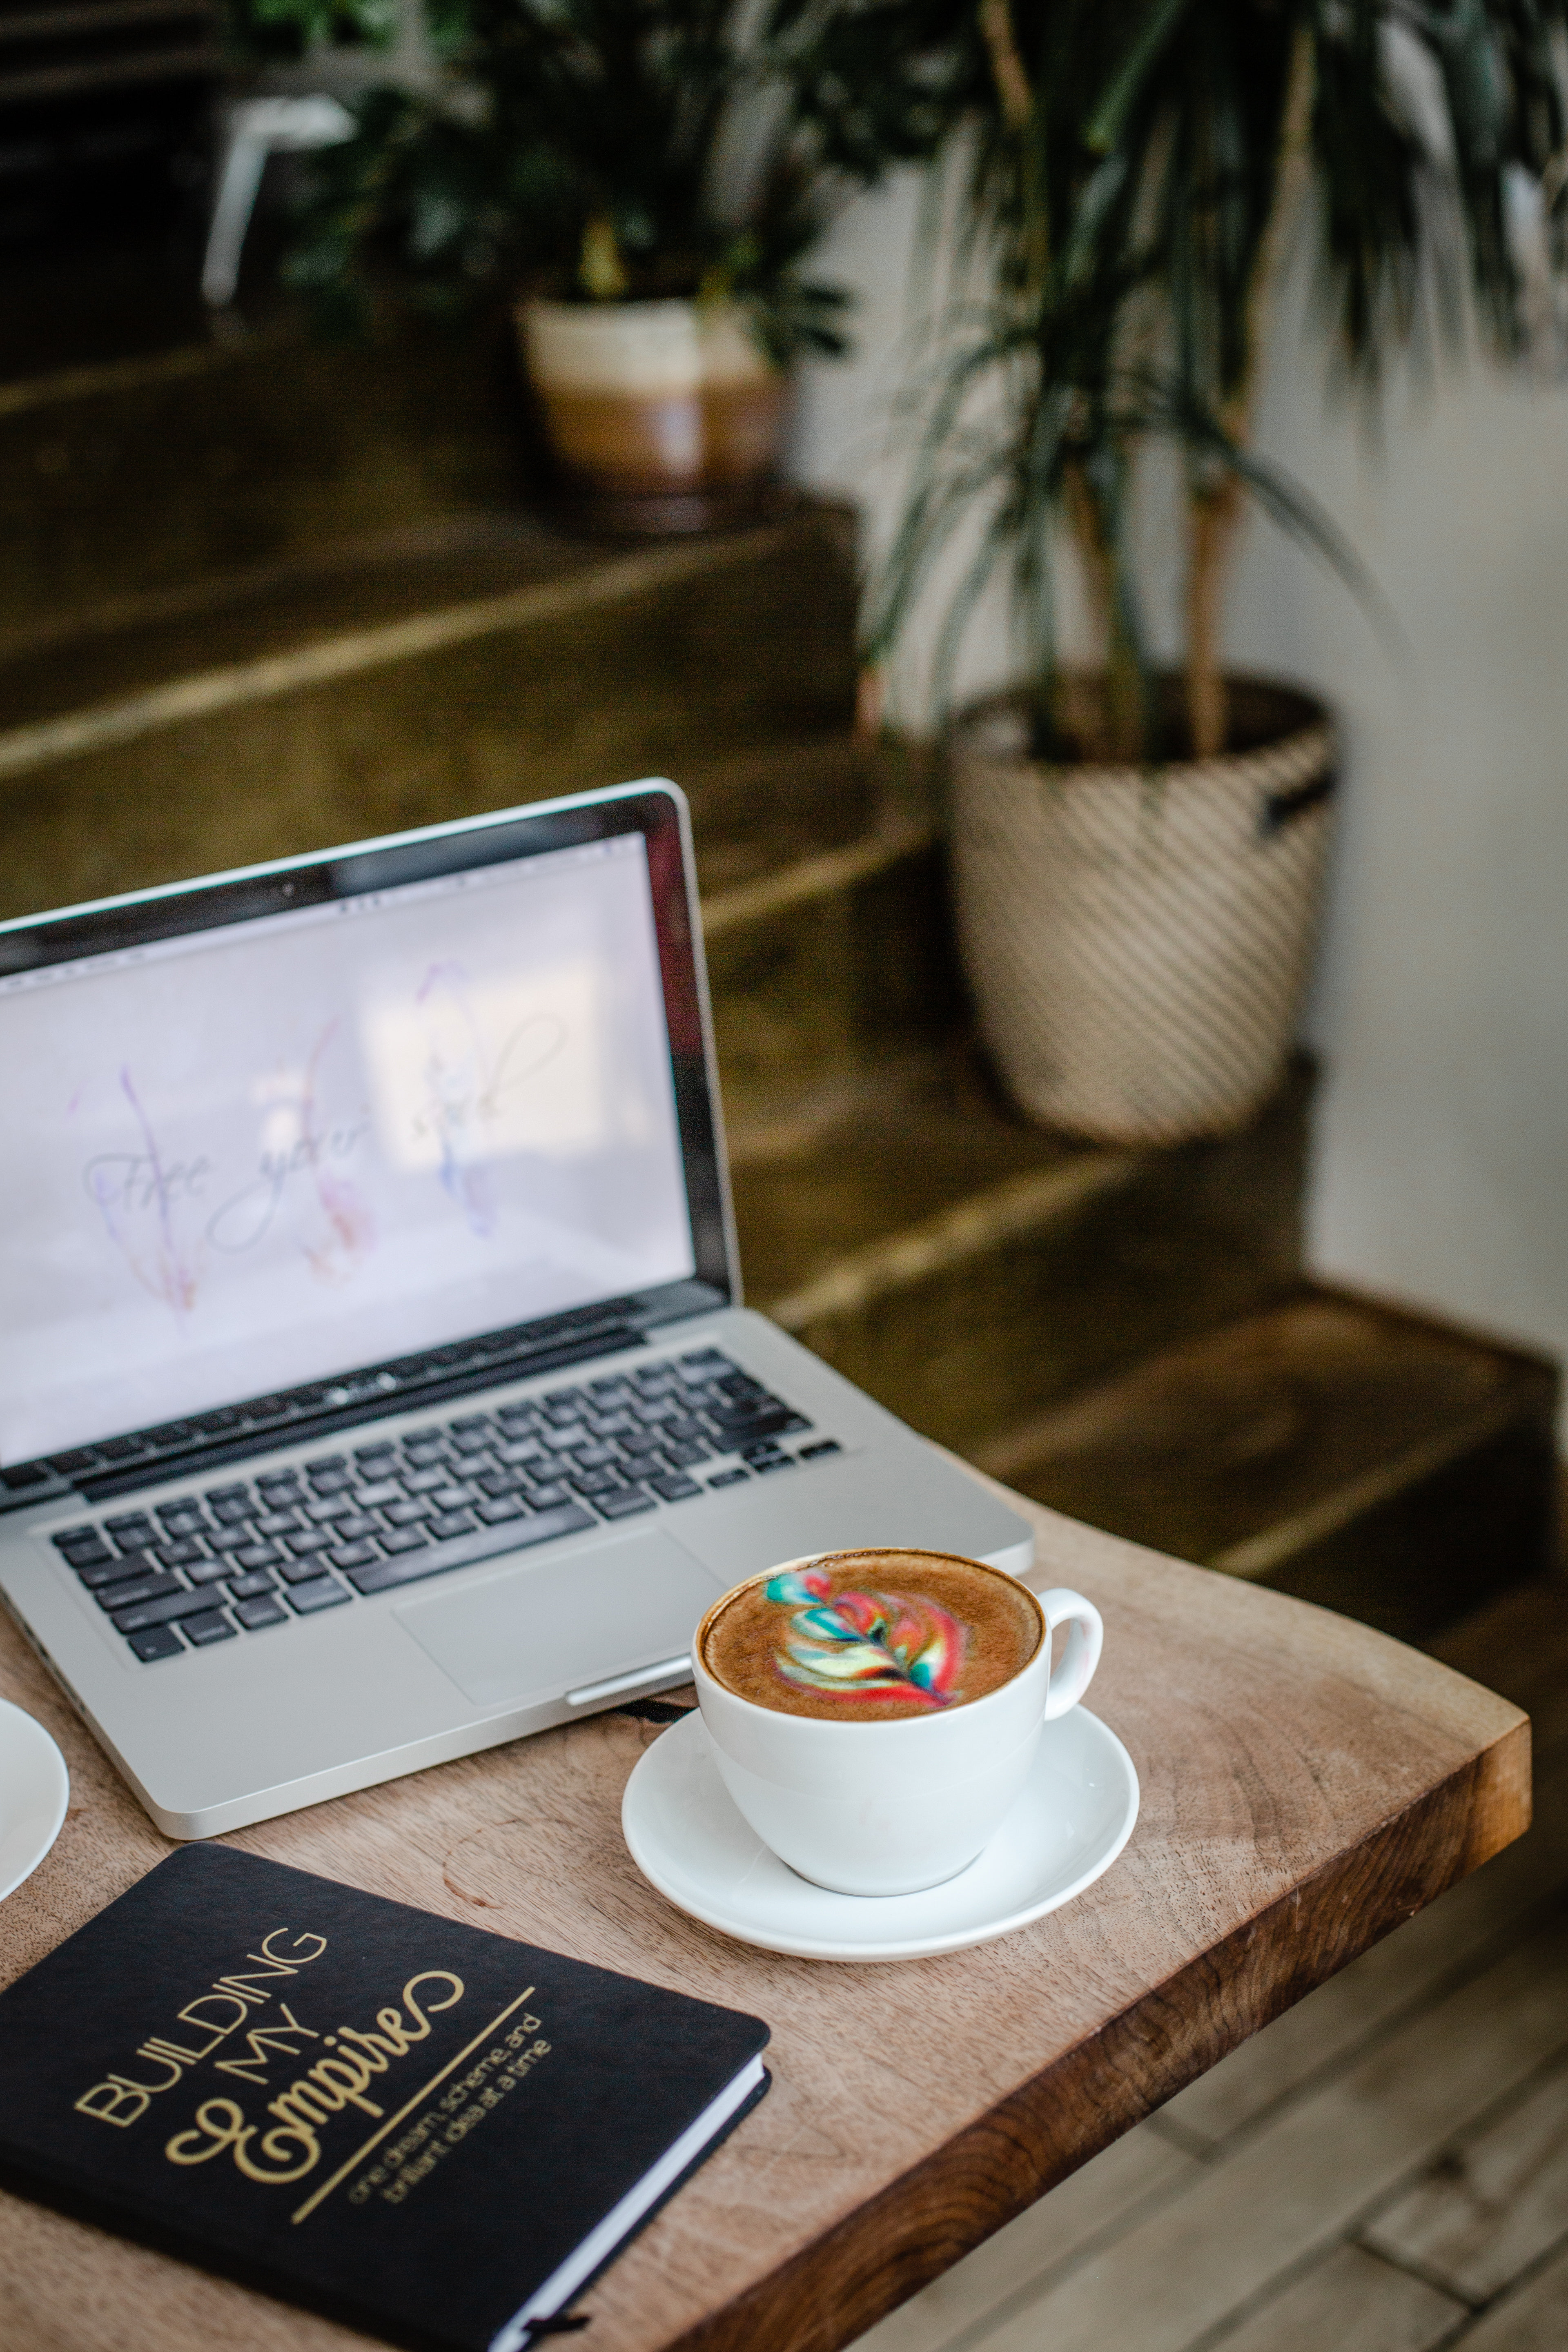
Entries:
{"x":889,"y":1807}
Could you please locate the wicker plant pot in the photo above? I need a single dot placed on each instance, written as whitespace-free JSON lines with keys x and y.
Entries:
{"x":661,"y":416}
{"x":1138,"y":939}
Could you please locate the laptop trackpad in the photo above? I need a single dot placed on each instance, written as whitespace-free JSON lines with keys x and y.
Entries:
{"x":532,"y":1631}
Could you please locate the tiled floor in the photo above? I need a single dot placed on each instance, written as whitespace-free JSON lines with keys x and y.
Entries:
{"x":1384,"y":2169}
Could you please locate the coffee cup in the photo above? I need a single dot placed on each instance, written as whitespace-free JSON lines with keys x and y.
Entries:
{"x":876,"y":1755}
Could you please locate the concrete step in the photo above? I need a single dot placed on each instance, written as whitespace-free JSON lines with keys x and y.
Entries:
{"x":1374,"y":1461}
{"x":969,"y":1269}
{"x":363,"y":697}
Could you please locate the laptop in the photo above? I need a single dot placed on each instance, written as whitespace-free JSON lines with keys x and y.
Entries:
{"x":375,"y":1384}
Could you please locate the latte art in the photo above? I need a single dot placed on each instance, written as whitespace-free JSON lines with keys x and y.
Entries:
{"x":863,"y":1636}
{"x":866,"y":1644}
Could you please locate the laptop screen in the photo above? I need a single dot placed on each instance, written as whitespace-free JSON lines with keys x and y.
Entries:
{"x":262,"y":1151}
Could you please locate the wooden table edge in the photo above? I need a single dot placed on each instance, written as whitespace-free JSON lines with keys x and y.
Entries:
{"x":914,"y":2229}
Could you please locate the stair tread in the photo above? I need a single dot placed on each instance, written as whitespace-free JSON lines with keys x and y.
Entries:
{"x":927,"y":1137}
{"x":1260,"y":1438}
{"x":344,"y":600}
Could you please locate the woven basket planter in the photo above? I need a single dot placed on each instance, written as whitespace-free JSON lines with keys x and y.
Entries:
{"x":1138,"y":939}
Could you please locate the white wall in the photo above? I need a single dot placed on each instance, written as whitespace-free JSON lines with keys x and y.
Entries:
{"x":1441,"y":1003}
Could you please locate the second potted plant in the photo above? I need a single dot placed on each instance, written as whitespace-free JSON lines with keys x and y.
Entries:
{"x":1137,"y":855}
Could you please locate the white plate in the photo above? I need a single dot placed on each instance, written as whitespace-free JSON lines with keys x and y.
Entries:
{"x":35,"y":1788}
{"x":1074,"y":1815}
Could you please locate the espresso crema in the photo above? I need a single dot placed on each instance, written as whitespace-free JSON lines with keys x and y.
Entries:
{"x":869,"y":1636}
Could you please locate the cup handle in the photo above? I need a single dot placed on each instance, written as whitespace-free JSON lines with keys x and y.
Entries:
{"x":1074,"y":1670}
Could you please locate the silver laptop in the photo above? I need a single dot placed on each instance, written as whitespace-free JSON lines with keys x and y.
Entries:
{"x":373,"y":1381}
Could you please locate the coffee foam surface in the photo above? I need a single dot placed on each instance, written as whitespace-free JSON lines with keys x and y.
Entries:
{"x":871,"y":1636}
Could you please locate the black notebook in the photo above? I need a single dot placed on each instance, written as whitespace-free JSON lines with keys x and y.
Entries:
{"x":430,"y":2132}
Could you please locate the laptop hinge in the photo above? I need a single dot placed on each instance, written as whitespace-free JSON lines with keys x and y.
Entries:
{"x":102,"y":1486}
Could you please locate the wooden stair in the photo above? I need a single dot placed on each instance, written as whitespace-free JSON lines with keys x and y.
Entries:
{"x":310,"y":633}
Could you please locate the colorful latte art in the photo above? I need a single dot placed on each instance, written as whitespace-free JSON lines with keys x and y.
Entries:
{"x":867,"y":1645}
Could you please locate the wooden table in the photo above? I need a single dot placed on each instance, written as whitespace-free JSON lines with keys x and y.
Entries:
{"x":1307,"y":1785}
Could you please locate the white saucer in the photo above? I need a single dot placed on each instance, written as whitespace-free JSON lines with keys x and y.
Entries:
{"x":1074,"y":1817}
{"x":35,"y":1788}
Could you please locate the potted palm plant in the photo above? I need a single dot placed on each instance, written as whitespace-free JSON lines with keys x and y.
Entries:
{"x":1137,"y":854}
{"x":638,"y":179}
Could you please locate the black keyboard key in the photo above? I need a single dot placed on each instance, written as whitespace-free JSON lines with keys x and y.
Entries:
{"x":775,"y":1461}
{"x":354,"y":1526}
{"x":593,"y":1482}
{"x":505,"y":1507}
{"x":425,"y":1482}
{"x":330,"y":1482}
{"x":174,"y":1606}
{"x":92,"y":1553}
{"x":163,"y":1641}
{"x":130,"y":1589}
{"x":231,"y":1510}
{"x":122,"y":1449}
{"x":206,"y":1630}
{"x":382,"y":1447}
{"x":254,"y":1615}
{"x":408,"y":1515}
{"x":740,"y":1428}
{"x":205,"y":1572}
{"x":181,"y":1550}
{"x":382,"y":1490}
{"x":321,"y":1593}
{"x":706,"y":1359}
{"x":224,"y":1539}
{"x":180,"y":1518}
{"x":216,"y":1495}
{"x":451,"y":1523}
{"x":77,"y":1535}
{"x":398,"y":1540}
{"x":258,"y":1555}
{"x":683,"y":1456}
{"x":277,"y":1523}
{"x":353,"y":1555}
{"x":729,"y":1478}
{"x":675,"y":1489}
{"x":495,"y":1483}
{"x":640,"y":1441}
{"x":595,"y":1457}
{"x":823,"y":1446}
{"x":452,"y":1498}
{"x":485,"y":1543}
{"x":623,"y":1502}
{"x":300,"y":1572}
{"x":548,"y":1496}
{"x":760,"y":1449}
{"x":326,"y":1462}
{"x":250,"y":1588}
{"x":308,"y":1540}
{"x":128,"y":1523}
{"x":115,"y":1570}
{"x":521,"y":1449}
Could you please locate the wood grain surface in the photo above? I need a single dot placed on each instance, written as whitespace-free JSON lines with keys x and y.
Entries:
{"x":1307,"y":1785}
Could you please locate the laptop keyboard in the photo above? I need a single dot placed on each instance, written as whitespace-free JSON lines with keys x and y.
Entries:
{"x":244,"y":1555}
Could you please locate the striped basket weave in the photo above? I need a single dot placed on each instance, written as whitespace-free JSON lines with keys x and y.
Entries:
{"x":1138,"y":940}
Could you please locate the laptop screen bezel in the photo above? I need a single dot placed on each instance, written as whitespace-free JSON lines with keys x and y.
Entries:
{"x":655,"y":808}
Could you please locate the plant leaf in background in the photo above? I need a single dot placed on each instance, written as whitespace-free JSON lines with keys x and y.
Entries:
{"x":1132,"y":171}
{"x":620,"y":149}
